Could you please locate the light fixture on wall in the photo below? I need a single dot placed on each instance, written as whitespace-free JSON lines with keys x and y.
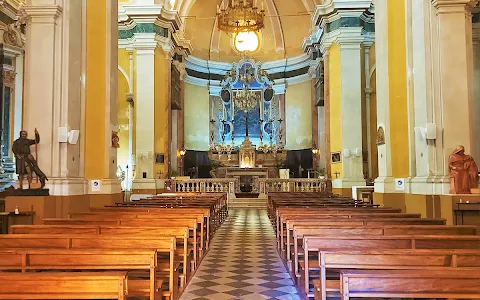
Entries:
{"x":315,"y":150}
{"x":182,"y":151}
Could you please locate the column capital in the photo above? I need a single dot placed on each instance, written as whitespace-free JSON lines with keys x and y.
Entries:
{"x":181,"y":68}
{"x":453,"y":6}
{"x":144,"y":41}
{"x":42,"y":13}
{"x":167,"y":46}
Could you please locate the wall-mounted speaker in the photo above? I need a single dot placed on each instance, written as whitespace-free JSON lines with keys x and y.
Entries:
{"x":62,"y":134}
{"x":431,"y":131}
{"x":73,"y":136}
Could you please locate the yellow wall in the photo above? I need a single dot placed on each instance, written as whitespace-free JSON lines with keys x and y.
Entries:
{"x":196,"y":118}
{"x":162,"y":109}
{"x":95,"y":91}
{"x":298,"y":116}
{"x":397,"y":62}
{"x":335,"y":106}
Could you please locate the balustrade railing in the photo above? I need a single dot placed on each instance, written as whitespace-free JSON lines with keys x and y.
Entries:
{"x":293,"y":185}
{"x":207,"y":185}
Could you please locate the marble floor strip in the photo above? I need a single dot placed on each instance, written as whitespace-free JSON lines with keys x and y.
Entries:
{"x":242,"y":262}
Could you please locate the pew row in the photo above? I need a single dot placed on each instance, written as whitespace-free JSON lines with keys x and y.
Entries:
{"x":61,"y":285}
{"x":37,"y":259}
{"x":331,"y":261}
{"x":167,"y":268}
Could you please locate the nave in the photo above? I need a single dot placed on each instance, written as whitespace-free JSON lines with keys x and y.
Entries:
{"x":243,"y":262}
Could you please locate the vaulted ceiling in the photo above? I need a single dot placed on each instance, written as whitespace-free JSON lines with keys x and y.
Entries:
{"x":287,"y":23}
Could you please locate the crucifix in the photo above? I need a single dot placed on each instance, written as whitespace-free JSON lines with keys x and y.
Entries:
{"x":336,"y":174}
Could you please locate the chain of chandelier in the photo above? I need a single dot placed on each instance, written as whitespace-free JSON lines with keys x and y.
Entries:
{"x":240,"y":16}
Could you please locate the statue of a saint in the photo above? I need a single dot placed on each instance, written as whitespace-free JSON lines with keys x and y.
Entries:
{"x":463,"y":172}
{"x":25,"y":162}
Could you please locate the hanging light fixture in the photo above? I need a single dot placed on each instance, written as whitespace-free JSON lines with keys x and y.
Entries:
{"x":240,"y":16}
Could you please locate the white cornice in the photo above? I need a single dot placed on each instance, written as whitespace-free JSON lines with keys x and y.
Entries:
{"x":334,"y":5}
{"x":215,"y":67}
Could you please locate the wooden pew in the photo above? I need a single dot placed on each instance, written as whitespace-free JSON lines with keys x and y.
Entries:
{"x":359,"y":222}
{"x":324,"y":243}
{"x":197,"y":239}
{"x":61,"y":285}
{"x":451,"y":284}
{"x":35,"y":259}
{"x":299,"y":231}
{"x":181,"y":233}
{"x":387,"y":260}
{"x":165,"y":247}
{"x":166,"y":217}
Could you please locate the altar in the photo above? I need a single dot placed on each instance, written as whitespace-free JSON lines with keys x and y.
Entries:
{"x":246,"y":128}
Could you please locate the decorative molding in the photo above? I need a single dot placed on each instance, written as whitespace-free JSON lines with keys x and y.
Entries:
{"x":43,"y":12}
{"x":340,"y":15}
{"x":333,"y":6}
{"x":272,"y":67}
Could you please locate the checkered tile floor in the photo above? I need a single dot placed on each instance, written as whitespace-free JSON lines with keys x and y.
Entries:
{"x":242,"y":262}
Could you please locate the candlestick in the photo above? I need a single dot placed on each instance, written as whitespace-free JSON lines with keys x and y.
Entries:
{"x":262,"y":5}
{"x":244,"y":3}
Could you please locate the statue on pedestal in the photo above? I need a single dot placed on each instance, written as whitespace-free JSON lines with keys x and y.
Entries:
{"x":463,"y":172}
{"x":25,"y":162}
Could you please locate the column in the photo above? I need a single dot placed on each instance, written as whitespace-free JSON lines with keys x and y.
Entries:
{"x":53,"y":92}
{"x":101,"y":101}
{"x":144,"y":181}
{"x":420,"y":94}
{"x":351,"y":107}
{"x":392,"y":105}
{"x":476,"y":115}
{"x":18,"y":102}
{"x":454,"y":83}
{"x":163,"y":109}
{"x":326,"y":74}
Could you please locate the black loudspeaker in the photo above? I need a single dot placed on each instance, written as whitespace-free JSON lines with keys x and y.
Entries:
{"x":268,"y":94}
{"x":225,"y":94}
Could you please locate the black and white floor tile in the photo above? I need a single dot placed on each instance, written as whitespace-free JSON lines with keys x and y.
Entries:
{"x":242,"y":262}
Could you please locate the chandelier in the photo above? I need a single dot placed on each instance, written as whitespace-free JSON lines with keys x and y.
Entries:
{"x":246,"y":99}
{"x":240,"y":15}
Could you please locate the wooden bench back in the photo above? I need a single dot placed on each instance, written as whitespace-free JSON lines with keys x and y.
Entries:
{"x":75,"y":241}
{"x":314,"y":243}
{"x":299,"y":231}
{"x":179,"y":232}
{"x":134,"y":215}
{"x":458,"y":284}
{"x":62,"y":285}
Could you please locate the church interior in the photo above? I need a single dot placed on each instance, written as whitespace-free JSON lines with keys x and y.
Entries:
{"x":239,"y":149}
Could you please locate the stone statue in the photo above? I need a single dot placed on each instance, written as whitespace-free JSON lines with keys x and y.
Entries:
{"x":463,"y":172}
{"x":25,"y":162}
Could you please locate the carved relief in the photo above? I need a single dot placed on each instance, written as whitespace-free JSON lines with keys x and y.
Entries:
{"x":9,"y":77}
{"x":380,"y":136}
{"x":115,"y":139}
{"x":12,"y":35}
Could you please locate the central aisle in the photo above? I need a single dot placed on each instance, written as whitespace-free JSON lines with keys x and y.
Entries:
{"x":242,"y":263}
